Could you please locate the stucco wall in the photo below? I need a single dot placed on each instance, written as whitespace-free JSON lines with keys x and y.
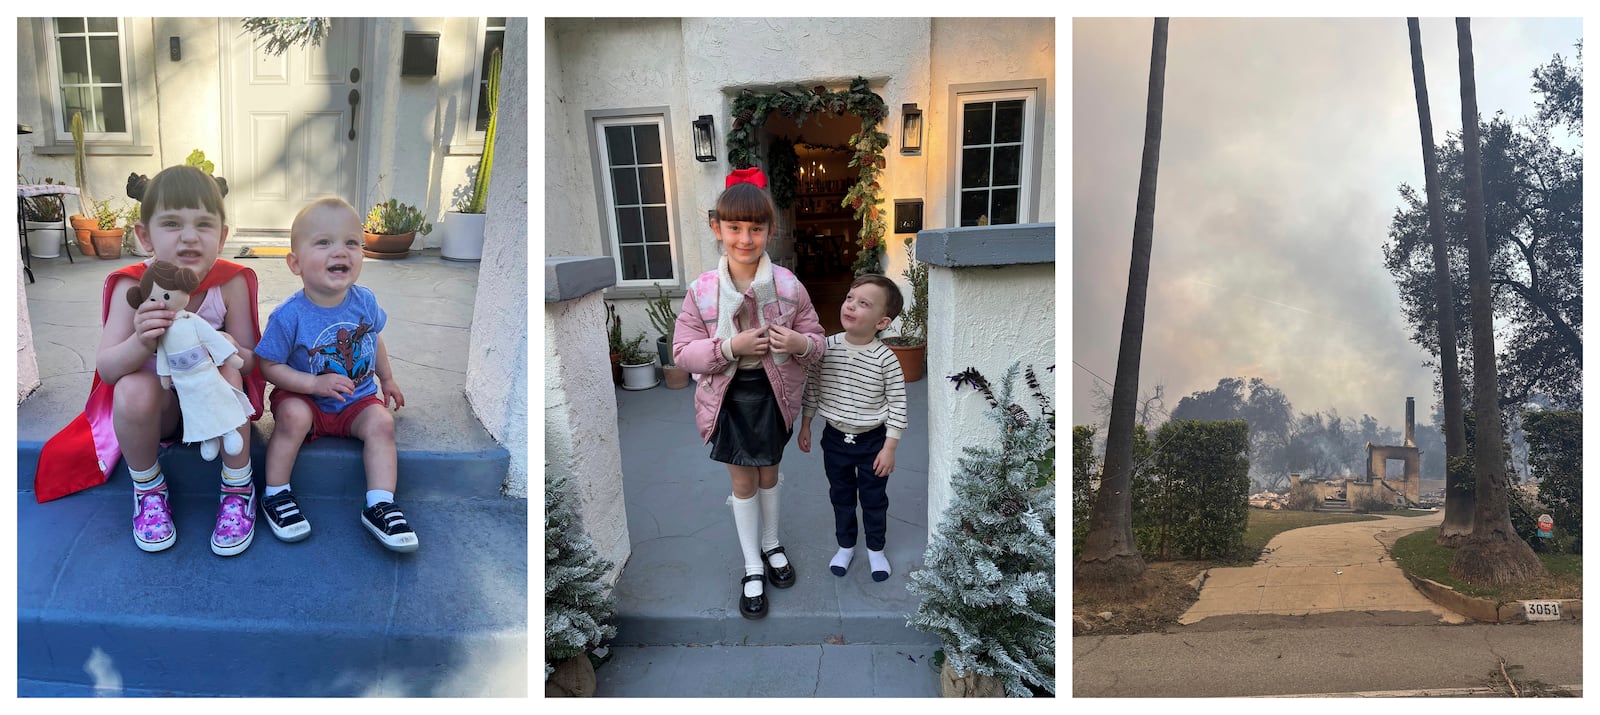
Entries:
{"x":191,"y":92}
{"x":985,"y":317}
{"x":497,"y":369}
{"x":27,"y":360}
{"x":580,"y":421}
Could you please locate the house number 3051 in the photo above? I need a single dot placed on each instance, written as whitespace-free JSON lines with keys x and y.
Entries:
{"x":1542,"y":610}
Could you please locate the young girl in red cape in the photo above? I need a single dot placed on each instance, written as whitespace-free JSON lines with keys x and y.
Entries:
{"x":128,"y":413}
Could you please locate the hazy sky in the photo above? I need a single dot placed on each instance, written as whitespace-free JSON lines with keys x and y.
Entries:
{"x":1284,"y":143}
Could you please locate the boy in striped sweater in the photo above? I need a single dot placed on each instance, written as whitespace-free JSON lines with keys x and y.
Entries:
{"x":859,"y":390}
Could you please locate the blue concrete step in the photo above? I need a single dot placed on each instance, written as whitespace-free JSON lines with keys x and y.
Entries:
{"x":334,"y":615}
{"x":326,"y":467}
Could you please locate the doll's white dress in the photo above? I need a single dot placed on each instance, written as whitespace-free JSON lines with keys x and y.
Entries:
{"x":189,"y":352}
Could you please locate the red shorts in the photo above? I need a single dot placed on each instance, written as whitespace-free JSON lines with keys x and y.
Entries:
{"x":326,"y":424}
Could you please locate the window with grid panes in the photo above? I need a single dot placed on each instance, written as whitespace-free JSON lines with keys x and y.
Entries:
{"x":89,"y":74}
{"x":494,"y":38}
{"x":994,"y":157}
{"x":635,"y":178}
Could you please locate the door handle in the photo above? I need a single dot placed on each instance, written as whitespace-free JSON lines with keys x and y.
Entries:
{"x":355,"y":99}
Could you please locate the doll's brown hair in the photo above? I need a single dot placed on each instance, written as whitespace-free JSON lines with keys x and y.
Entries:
{"x":167,"y":274}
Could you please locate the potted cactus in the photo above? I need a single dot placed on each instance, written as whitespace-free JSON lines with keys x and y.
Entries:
{"x":390,"y":229}
{"x":463,"y":226}
{"x":82,"y":223}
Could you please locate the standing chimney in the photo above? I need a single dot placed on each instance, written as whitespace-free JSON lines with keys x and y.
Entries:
{"x":1411,"y":419}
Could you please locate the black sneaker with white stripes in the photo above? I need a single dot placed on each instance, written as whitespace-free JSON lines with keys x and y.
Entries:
{"x":283,"y":515}
{"x":389,"y":526}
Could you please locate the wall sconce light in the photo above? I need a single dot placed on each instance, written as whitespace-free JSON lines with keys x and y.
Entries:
{"x":910,"y":129}
{"x":705,"y":148}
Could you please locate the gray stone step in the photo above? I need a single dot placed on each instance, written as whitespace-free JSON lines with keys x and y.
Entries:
{"x":810,"y":671}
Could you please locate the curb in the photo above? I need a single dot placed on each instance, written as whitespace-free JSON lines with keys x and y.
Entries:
{"x":1487,"y":610}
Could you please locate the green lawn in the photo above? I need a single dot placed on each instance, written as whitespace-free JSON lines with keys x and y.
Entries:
{"x":1267,"y":523}
{"x":1420,"y":554}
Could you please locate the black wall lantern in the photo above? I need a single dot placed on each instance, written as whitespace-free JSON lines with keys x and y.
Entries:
{"x":910,"y":129}
{"x":705,"y":136}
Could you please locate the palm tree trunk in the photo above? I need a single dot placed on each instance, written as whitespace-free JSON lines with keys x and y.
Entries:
{"x":1492,"y":553}
{"x":1109,"y":556}
{"x":1458,"y":501}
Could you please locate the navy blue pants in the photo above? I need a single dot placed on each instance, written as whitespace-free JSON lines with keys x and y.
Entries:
{"x":850,"y":479}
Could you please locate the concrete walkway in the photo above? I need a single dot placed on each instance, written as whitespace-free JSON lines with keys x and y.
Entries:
{"x":1321,"y":569}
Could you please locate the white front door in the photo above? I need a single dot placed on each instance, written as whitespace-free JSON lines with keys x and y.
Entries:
{"x":288,"y":127}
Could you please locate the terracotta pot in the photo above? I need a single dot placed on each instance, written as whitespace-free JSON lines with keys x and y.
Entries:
{"x":677,"y":378}
{"x":911,"y":359}
{"x":616,"y":368}
{"x":971,"y":685}
{"x":107,"y":244}
{"x":81,"y":226}
{"x":385,"y":246}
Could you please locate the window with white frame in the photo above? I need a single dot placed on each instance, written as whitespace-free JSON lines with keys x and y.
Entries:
{"x":493,"y":38}
{"x":995,"y":156}
{"x":89,"y":67}
{"x":634,"y":178}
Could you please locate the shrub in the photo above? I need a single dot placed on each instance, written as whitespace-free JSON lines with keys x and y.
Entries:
{"x":1555,"y":452}
{"x":1302,"y":497}
{"x":1201,"y":486}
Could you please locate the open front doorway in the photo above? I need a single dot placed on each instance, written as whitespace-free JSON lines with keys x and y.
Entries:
{"x":816,"y":235}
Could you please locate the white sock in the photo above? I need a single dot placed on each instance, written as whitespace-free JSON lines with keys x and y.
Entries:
{"x":747,"y":518}
{"x":274,"y":491}
{"x":147,"y":479}
{"x":841,"y":561}
{"x":769,"y":523}
{"x":880,"y":565}
{"x":378,"y":496}
{"x":236,"y":477}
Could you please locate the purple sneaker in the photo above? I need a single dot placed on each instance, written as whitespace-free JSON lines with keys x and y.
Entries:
{"x":152,"y":520}
{"x":236,"y":521}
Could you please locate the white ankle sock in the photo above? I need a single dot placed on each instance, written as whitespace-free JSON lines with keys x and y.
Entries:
{"x":747,"y":518}
{"x":880,"y":564}
{"x":274,"y":491}
{"x":147,"y":479}
{"x":769,"y":523}
{"x":841,"y":561}
{"x":236,"y":477}
{"x":378,"y":496}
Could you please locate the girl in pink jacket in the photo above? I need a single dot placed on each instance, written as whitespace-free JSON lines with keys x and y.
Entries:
{"x":748,"y":331}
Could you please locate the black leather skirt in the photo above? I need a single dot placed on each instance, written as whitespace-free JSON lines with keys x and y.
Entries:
{"x":750,"y":431}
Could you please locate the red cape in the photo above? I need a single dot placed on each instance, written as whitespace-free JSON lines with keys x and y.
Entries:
{"x":84,"y":453}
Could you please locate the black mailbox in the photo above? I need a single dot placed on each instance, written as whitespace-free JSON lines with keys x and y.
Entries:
{"x":419,"y":57}
{"x":907,"y":215}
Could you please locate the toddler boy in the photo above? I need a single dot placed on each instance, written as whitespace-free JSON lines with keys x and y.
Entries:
{"x":321,"y":349}
{"x":858,"y":388}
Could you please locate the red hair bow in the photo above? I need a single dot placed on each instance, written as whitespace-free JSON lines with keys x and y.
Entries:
{"x":751,"y":175}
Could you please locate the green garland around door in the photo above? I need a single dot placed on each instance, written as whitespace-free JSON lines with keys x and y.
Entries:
{"x":750,"y":111}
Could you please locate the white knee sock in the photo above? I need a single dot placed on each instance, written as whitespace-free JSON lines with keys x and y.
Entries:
{"x":769,"y":523}
{"x":747,"y":518}
{"x":148,"y":479}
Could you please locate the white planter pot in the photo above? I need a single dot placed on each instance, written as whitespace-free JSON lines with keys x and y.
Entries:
{"x":639,"y":377}
{"x":463,"y":236}
{"x":45,"y":238}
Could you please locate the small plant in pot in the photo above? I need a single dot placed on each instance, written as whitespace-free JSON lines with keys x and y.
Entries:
{"x":662,"y":317}
{"x":911,"y":346}
{"x":107,"y":234}
{"x":614,"y":342}
{"x":391,"y":227}
{"x":638,"y":365}
{"x":46,"y":222}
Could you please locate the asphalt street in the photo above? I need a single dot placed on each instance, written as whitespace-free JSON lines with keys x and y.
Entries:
{"x":1322,"y":655}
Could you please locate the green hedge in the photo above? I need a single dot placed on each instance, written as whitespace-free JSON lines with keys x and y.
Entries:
{"x":1555,"y":452}
{"x":1190,"y":497}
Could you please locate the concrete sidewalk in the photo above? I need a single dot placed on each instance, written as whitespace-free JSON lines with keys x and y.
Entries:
{"x":1321,"y":569}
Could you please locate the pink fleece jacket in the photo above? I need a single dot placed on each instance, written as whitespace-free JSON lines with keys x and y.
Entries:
{"x":696,"y":349}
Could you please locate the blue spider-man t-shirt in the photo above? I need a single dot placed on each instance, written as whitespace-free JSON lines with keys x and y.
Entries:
{"x":342,"y":340}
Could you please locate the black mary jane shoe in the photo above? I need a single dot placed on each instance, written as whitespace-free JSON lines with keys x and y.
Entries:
{"x":752,"y":607}
{"x":780,"y":578}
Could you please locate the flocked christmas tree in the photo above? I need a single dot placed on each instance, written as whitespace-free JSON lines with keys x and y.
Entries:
{"x":576,"y":602}
{"x":988,"y":590}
